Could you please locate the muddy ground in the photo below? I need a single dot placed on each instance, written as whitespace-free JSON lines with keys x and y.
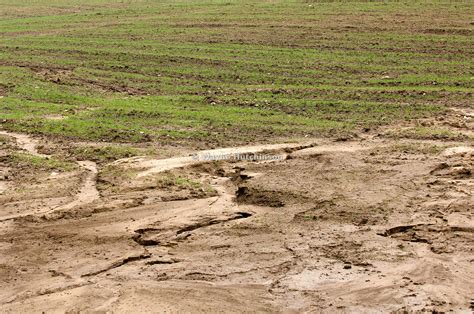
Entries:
{"x":366,"y":224}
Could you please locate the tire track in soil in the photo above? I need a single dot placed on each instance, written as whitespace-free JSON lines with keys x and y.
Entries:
{"x":87,"y":193}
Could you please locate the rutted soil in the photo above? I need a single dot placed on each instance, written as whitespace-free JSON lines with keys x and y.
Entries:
{"x":348,"y":226}
{"x":87,"y":191}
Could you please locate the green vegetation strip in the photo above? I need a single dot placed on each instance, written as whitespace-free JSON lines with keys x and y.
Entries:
{"x":228,"y":71}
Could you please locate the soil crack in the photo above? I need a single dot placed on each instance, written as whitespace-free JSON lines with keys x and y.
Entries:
{"x":119,"y":263}
{"x":237,"y":215}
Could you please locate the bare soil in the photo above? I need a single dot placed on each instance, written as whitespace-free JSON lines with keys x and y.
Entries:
{"x":371,"y":224}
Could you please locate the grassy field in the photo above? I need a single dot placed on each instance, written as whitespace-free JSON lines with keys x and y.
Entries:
{"x":228,"y":71}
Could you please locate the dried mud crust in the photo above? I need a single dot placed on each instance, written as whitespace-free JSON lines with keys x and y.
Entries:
{"x":373,"y":224}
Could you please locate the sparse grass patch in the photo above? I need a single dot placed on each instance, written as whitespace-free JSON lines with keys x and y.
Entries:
{"x":5,"y":139}
{"x":414,"y":148}
{"x":177,"y":180}
{"x":170,"y":180}
{"x":42,"y":163}
{"x":426,"y":133}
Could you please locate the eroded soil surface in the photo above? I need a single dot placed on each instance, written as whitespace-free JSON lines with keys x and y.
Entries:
{"x":367,"y":224}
